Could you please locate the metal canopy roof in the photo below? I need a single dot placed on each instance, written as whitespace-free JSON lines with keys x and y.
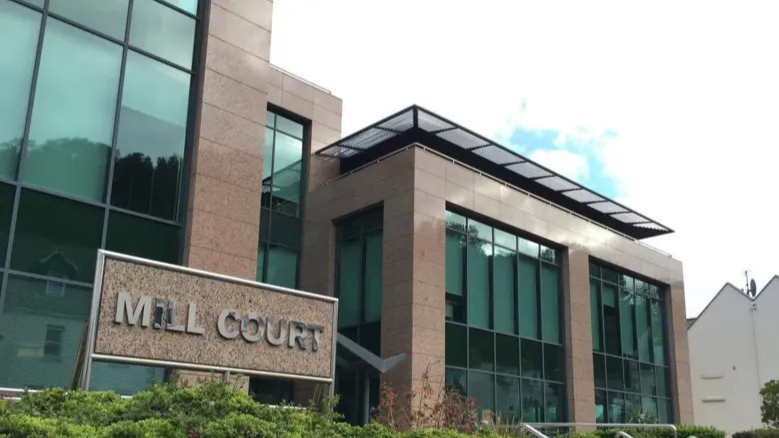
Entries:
{"x":418,"y":125}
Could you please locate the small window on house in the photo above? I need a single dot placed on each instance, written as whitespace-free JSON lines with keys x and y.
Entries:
{"x":52,"y":347}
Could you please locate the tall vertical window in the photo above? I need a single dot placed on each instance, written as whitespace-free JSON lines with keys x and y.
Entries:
{"x":95,"y":102}
{"x":282,"y":190}
{"x":503,"y":307}
{"x":359,"y":278}
{"x":628,"y":339}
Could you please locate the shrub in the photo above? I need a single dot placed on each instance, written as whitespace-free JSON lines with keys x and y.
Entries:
{"x":769,"y":409}
{"x":757,"y":433}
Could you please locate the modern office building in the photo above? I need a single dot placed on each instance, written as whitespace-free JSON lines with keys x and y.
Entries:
{"x":726,"y":381}
{"x":158,"y":128}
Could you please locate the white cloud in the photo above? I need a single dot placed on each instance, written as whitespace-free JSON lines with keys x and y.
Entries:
{"x":565,"y":162}
{"x":689,"y":88}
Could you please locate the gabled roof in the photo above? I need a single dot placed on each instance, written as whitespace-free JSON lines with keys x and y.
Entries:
{"x":729,"y":286}
{"x":418,"y":125}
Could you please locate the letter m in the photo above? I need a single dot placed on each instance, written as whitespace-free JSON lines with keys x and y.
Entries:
{"x":124,"y":306}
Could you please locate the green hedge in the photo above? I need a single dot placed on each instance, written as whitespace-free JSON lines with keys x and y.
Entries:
{"x":757,"y":433}
{"x":208,"y":411}
{"x":683,"y":431}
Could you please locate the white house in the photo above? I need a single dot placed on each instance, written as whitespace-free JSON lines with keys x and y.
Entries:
{"x":734,"y":350}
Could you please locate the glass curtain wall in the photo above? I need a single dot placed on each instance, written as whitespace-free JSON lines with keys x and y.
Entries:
{"x":94,"y":111}
{"x":359,"y":290}
{"x":282,"y":191}
{"x":504,"y":344}
{"x":629,"y":342}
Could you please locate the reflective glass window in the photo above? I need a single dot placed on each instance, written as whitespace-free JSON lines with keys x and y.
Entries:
{"x":42,"y":325}
{"x":457,"y":380}
{"x":528,"y":297}
{"x":550,"y":303}
{"x":610,"y":319}
{"x":73,"y":115}
{"x":532,"y":359}
{"x":19,"y":29}
{"x":282,"y":266}
{"x":152,"y":134}
{"x":108,"y":17}
{"x":627,"y":320}
{"x":648,"y":383}
{"x":479,"y":283}
{"x":554,"y":398}
{"x":287,"y":174}
{"x":481,"y":350}
{"x":554,"y":368}
{"x":507,"y":394}
{"x":455,"y":221}
{"x":373,"y":276}
{"x":504,"y":303}
{"x":505,"y":239}
{"x":532,"y":401}
{"x":455,"y":268}
{"x":507,"y":354}
{"x":481,"y":387}
{"x":643,"y":329}
{"x":56,"y":237}
{"x":600,"y":406}
{"x":658,"y":332}
{"x":144,"y":238}
{"x":163,"y":31}
{"x":479,"y":230}
{"x":599,"y":365}
{"x":125,"y":379}
{"x":614,"y":376}
{"x":6,"y":209}
{"x":456,"y":346}
{"x":632,"y":376}
{"x":595,"y":317}
{"x":616,"y":410}
{"x":187,"y":5}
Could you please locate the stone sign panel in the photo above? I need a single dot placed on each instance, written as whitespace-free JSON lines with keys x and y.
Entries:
{"x":157,"y":314}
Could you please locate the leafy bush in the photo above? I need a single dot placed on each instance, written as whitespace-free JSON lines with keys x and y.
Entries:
{"x":683,"y":431}
{"x":757,"y":433}
{"x":769,"y":409}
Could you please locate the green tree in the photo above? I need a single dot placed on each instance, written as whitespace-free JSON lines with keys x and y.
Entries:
{"x":770,"y":408}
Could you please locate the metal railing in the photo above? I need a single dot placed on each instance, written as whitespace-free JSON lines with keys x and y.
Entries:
{"x":622,"y":434}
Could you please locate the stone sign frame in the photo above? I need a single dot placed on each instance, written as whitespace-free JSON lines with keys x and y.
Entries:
{"x":89,"y":354}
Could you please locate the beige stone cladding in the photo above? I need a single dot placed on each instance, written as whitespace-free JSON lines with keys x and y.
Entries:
{"x":415,"y":186}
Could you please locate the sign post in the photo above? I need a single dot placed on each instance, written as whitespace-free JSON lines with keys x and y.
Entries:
{"x":150,"y":313}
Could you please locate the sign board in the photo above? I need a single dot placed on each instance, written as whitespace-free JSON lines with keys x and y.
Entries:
{"x":152,"y":313}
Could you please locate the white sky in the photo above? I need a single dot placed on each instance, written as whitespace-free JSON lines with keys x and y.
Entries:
{"x":688,"y":90}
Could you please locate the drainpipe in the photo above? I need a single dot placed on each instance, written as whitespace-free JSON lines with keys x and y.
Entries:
{"x":757,"y":346}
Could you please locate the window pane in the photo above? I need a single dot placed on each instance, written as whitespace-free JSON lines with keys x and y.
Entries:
{"x":527,"y":247}
{"x":614,"y":375}
{"x":532,"y":362}
{"x":662,"y":382}
{"x":456,"y":346}
{"x":600,"y":406}
{"x":373,"y":276}
{"x":550,"y":303}
{"x":648,"y":384}
{"x":479,"y":283}
{"x":261,"y":262}
{"x":282,"y":266}
{"x":616,"y":408}
{"x":479,"y":230}
{"x":162,"y":31}
{"x":528,"y":297}
{"x":649,"y":405}
{"x":532,"y":401}
{"x":610,"y":319}
{"x":457,"y":380}
{"x":481,"y":351}
{"x":658,"y":332}
{"x":73,"y":118}
{"x":549,"y":255}
{"x":643,"y":330}
{"x":455,"y":221}
{"x":503,"y":238}
{"x":504,"y":303}
{"x":152,"y":133}
{"x":287,"y":174}
{"x":109,"y":17}
{"x":349,"y":288}
{"x":632,"y":376}
{"x":481,"y":387}
{"x":187,"y":5}
{"x":664,"y":411}
{"x":19,"y":28}
{"x":38,"y":3}
{"x":609,"y":275}
{"x":6,"y":208}
{"x":632,"y":407}
{"x":455,"y":242}
{"x":31,"y":306}
{"x":594,"y":270}
{"x":626,"y":319}
{"x":267,"y":162}
{"x":289,"y":127}
{"x":554,"y":397}
{"x":554,"y":363}
{"x":599,"y":365}
{"x":56,"y":237}
{"x":626,"y":282}
{"x":507,"y":352}
{"x":145,"y":238}
{"x":284,"y":230}
{"x":508,"y":399}
{"x":270,"y":391}
{"x":124,"y":378}
{"x":595,"y":315}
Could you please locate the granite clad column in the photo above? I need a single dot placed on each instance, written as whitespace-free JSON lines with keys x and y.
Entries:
{"x":225,"y":186}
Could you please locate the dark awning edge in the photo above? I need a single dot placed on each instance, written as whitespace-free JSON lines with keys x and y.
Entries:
{"x":418,"y":125}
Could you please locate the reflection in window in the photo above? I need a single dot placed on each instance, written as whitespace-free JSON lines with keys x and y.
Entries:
{"x":163,"y":31}
{"x":6,"y":209}
{"x":56,"y":237}
{"x":108,"y":17}
{"x":160,"y":241}
{"x":19,"y":28}
{"x":152,"y":134}
{"x":73,"y":115}
{"x":41,"y":334}
{"x":125,"y":379}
